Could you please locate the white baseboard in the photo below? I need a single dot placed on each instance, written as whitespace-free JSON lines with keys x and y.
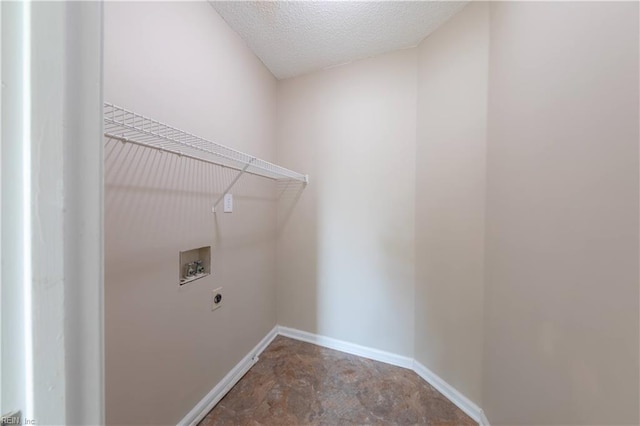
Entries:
{"x":350,"y":348}
{"x":220,"y":390}
{"x":483,"y":419}
{"x":451,"y":393}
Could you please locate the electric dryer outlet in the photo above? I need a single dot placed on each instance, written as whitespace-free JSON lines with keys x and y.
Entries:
{"x":217,"y":299}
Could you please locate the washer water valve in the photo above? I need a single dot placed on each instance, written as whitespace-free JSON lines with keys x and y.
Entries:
{"x":190,"y":270}
{"x":199,"y":267}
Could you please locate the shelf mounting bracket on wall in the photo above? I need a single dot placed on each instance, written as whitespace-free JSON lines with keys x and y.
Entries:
{"x":233,"y":182}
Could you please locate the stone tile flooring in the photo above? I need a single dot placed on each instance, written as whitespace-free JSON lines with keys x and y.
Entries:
{"x":297,"y":383}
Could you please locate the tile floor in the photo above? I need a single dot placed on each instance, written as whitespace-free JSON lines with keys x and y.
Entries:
{"x":297,"y":383}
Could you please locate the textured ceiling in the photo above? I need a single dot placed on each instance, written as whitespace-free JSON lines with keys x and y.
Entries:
{"x":294,"y":38}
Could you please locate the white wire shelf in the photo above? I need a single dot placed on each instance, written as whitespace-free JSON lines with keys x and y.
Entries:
{"x":128,"y":126}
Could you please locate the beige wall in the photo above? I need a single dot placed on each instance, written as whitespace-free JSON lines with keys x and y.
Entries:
{"x":346,"y":243}
{"x":165,"y":348}
{"x":450,"y":199}
{"x":561,"y":329}
{"x":502,"y":154}
{"x":560,"y":255}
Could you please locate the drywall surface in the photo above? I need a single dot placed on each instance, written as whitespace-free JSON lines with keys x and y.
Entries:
{"x":561,"y":324}
{"x":450,"y":199}
{"x":346,"y":242}
{"x":165,"y":348}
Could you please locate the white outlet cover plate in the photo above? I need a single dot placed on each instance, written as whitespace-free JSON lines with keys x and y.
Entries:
{"x":228,"y":203}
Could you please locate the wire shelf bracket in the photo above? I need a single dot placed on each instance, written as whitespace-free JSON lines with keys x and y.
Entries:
{"x":130,"y":127}
{"x":228,"y":188}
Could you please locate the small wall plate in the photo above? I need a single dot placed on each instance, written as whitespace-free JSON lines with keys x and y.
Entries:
{"x":217,"y":299}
